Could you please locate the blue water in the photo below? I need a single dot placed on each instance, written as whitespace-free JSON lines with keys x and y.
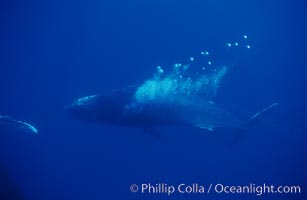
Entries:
{"x":52,"y":52}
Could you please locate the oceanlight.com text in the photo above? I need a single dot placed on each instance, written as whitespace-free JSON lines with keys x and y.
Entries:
{"x":217,"y":188}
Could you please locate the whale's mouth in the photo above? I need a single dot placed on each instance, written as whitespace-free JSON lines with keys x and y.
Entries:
{"x":72,"y":108}
{"x":75,"y":110}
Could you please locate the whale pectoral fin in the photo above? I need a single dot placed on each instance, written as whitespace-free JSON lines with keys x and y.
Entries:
{"x":255,"y":118}
{"x":153,"y":133}
{"x":240,"y":133}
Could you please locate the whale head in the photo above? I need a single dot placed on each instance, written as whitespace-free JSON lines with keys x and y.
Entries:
{"x":82,"y":108}
{"x":105,"y":108}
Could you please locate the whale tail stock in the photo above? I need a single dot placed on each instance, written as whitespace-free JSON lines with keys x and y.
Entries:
{"x":251,"y":122}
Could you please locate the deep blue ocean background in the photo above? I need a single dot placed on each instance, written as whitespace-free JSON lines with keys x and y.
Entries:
{"x":52,"y":52}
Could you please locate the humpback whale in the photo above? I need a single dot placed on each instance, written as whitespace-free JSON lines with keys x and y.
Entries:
{"x":119,"y":107}
{"x":9,"y":124}
{"x":176,"y":98}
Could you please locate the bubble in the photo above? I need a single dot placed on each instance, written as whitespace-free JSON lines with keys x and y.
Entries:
{"x":160,"y":70}
{"x":186,"y":81}
{"x":248,"y":46}
{"x":185,"y":67}
{"x":204,"y":53}
{"x":177,"y":65}
{"x":245,"y":36}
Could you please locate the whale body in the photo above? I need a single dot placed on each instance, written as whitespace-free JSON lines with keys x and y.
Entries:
{"x":120,"y":107}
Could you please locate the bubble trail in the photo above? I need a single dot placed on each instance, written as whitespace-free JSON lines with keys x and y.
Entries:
{"x":180,"y":82}
{"x":187,"y":80}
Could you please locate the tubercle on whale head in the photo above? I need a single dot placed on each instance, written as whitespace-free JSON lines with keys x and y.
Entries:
{"x":105,"y":108}
{"x":82,"y":107}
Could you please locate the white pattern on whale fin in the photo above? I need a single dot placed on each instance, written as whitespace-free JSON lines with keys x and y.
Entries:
{"x":259,"y":114}
{"x":8,"y":123}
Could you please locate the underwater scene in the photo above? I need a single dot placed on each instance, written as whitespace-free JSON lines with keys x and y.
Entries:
{"x":147,"y":100}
